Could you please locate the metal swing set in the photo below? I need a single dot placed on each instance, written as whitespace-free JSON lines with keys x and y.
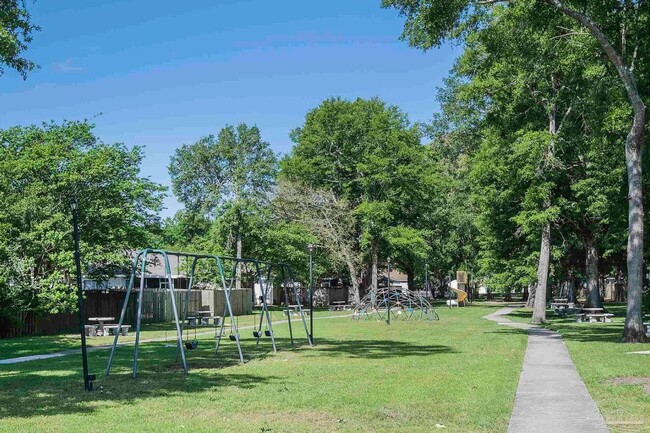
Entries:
{"x":141,"y":259}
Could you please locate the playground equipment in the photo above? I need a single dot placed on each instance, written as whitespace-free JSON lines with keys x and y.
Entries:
{"x":141,"y":259}
{"x":399,"y":302}
{"x":288,"y":283}
{"x":458,"y":286}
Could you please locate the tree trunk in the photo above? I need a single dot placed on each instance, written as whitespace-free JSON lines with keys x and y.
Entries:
{"x":354,"y":280}
{"x":526,"y":295}
{"x":374,"y":258}
{"x":634,"y":330}
{"x":239,"y":252}
{"x":410,"y":277}
{"x":571,"y":289}
{"x":591,"y":271}
{"x":530,"y":302}
{"x":539,"y":313}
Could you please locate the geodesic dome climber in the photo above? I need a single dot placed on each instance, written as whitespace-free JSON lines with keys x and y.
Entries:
{"x":402,"y":303}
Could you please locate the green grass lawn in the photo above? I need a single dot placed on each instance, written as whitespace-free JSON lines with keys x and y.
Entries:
{"x":461,"y":371}
{"x":599,"y":356}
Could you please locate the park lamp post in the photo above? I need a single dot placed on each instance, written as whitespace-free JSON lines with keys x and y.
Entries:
{"x":310,"y":248}
{"x":88,"y":378}
{"x":388,"y":297}
{"x":426,"y":277}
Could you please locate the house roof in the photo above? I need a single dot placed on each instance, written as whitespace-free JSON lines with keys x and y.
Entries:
{"x":395,"y":276}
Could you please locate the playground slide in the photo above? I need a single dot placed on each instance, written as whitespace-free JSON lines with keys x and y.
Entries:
{"x":462,"y":295}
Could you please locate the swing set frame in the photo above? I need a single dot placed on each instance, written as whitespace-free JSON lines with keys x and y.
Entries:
{"x":141,"y":259}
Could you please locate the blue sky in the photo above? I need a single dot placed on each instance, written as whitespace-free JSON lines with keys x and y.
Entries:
{"x":164,"y":73}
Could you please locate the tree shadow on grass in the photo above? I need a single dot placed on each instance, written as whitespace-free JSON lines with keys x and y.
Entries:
{"x":569,"y":329}
{"x":508,"y":330}
{"x":588,"y":332}
{"x":56,"y":387}
{"x":375,"y":349}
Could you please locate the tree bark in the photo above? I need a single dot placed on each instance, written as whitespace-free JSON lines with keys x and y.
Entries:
{"x":539,"y":312}
{"x":374,"y":258}
{"x":591,"y":271}
{"x":354,"y":280}
{"x":634,"y":330}
{"x":570,"y":288}
{"x":530,"y":302}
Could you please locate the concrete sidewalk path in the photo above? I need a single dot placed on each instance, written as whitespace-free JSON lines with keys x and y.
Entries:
{"x":551,"y":396}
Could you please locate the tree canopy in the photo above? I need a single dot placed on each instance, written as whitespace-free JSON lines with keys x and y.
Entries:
{"x":565,"y":63}
{"x":16,"y":32}
{"x":42,"y":168}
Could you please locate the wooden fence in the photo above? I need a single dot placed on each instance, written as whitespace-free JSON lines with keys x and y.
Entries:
{"x":156,"y":307}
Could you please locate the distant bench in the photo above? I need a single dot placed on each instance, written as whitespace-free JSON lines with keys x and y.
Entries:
{"x":339,"y":306}
{"x":565,"y":308}
{"x":295,"y":310}
{"x":203,"y":320}
{"x":112,"y":329}
{"x":91,"y":330}
{"x":594,"y":317}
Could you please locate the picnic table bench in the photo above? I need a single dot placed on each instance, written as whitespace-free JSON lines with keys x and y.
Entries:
{"x":203,"y":318}
{"x":562,"y":304}
{"x":594,"y":315}
{"x":112,"y":329}
{"x":100,"y":326}
{"x":91,"y":330}
{"x":564,"y":308}
{"x":339,"y":306}
{"x":599,"y":317}
{"x":295,"y":310}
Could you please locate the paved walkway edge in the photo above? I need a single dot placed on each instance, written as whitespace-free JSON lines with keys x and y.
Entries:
{"x":551,"y":396}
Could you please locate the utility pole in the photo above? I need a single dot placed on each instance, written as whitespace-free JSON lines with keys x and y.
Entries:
{"x":388,"y":288}
{"x":426,"y":277}
{"x":310,"y":247}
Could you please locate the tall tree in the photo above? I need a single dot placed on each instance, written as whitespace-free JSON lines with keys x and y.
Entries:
{"x":16,"y":31}
{"x":366,"y":152}
{"x":42,"y":168}
{"x":430,"y":22}
{"x":330,"y":219}
{"x":226,"y":178}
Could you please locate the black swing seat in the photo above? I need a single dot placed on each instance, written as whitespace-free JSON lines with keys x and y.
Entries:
{"x":267,"y":332}
{"x":191,"y":344}
{"x":232,"y":337}
{"x":257,"y":334}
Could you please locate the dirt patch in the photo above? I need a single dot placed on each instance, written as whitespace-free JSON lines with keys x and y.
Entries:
{"x":645,"y":381}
